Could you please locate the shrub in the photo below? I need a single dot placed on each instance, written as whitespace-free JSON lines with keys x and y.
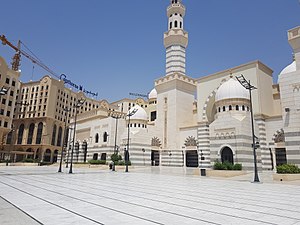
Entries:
{"x":115,"y":158}
{"x":237,"y":166}
{"x":219,"y":166}
{"x":288,"y":168}
{"x":28,"y":160}
{"x":226,"y":166}
{"x":97,"y":162}
{"x":122,"y":163}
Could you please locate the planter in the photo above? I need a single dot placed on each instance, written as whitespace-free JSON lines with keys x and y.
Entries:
{"x":23,"y":164}
{"x":286,"y":177}
{"x":224,"y":173}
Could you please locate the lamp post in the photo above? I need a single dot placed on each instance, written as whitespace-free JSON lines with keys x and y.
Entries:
{"x":117,"y":117}
{"x":246,"y":84}
{"x":65,"y":141}
{"x":127,"y":150}
{"x":79,"y":103}
{"x":69,"y":147}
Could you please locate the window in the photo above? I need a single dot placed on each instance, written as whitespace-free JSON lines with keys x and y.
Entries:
{"x":39,"y":133}
{"x":58,"y":143}
{"x":230,"y":108}
{"x":5,"y":123}
{"x":170,"y":25}
{"x":219,"y":109}
{"x":97,"y":138}
{"x":9,"y":138}
{"x":20,"y":134}
{"x":105,"y":136}
{"x":13,"y":83}
{"x":153,"y":116}
{"x":8,"y":113}
{"x":224,"y":108}
{"x":243,"y":108}
{"x":11,"y":93}
{"x":237,"y":108}
{"x":30,"y":133}
{"x":176,"y":23}
{"x":180,"y":24}
{"x":53,"y":135}
{"x":7,"y":80}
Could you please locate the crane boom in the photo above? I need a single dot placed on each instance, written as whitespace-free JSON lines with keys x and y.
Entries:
{"x":19,"y":52}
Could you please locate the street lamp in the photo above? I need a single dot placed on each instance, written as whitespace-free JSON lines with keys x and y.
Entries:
{"x":127,"y":150}
{"x":246,"y":84}
{"x":69,"y":147}
{"x":79,"y":103}
{"x":65,"y":141}
{"x":117,"y":117}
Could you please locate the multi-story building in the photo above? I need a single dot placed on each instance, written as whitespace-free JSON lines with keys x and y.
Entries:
{"x":43,"y":110}
{"x":9,"y":88}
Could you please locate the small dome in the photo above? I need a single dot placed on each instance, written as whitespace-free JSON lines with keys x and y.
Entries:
{"x":231,"y":89}
{"x":139,"y":115}
{"x":152,"y":94}
{"x":290,"y":68}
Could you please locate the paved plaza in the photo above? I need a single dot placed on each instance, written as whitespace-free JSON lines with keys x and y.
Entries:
{"x":40,"y":195}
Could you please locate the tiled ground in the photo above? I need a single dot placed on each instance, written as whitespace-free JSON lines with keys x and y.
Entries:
{"x":91,"y":196}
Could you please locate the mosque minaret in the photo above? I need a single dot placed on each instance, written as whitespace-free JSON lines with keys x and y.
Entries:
{"x":175,"y":39}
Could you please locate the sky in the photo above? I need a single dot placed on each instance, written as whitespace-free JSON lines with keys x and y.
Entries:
{"x":116,"y":47}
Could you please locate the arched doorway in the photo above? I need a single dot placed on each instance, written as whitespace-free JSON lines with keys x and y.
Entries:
{"x":47,"y":156}
{"x":154,"y":158}
{"x":55,"y":156}
{"x":29,"y":153}
{"x":227,"y":155}
{"x":192,"y":158}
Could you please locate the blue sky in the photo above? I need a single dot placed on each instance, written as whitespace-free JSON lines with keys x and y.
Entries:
{"x":116,"y":47}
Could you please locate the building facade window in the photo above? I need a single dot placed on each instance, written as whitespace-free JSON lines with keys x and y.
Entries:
{"x":20,"y":134}
{"x":53,"y":135}
{"x":39,"y":133}
{"x":30,"y":134}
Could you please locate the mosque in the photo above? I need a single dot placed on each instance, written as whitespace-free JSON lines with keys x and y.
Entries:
{"x":188,"y":122}
{"x":184,"y":122}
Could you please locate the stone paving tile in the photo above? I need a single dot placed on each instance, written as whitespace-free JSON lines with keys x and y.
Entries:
{"x":146,"y":196}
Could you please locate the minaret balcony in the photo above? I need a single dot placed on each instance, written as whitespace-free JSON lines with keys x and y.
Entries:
{"x":176,"y":37}
{"x":176,"y":8}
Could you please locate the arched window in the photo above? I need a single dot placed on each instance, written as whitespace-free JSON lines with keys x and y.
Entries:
{"x":219,"y":109}
{"x":20,"y":134}
{"x":230,"y":107}
{"x":97,"y":138}
{"x":176,"y":23}
{"x":170,"y":25}
{"x":9,"y":138}
{"x":248,"y":109}
{"x":243,"y":108}
{"x":224,"y":108}
{"x":30,"y":134}
{"x":58,"y":143}
{"x":39,"y":133}
{"x":180,"y":24}
{"x":105,"y":135}
{"x":237,"y":108}
{"x":53,"y":135}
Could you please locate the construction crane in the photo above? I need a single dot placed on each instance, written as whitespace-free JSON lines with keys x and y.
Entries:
{"x":17,"y":57}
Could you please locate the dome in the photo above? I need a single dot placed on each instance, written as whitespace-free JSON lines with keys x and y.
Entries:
{"x":290,"y":68}
{"x":231,"y":89}
{"x":152,"y":94}
{"x":139,"y":115}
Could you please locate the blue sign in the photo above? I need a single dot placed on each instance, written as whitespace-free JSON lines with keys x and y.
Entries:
{"x":78,"y":87}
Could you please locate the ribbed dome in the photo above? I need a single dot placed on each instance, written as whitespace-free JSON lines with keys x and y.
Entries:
{"x":290,"y":68}
{"x":152,"y":94}
{"x":139,"y":115}
{"x":231,"y":89}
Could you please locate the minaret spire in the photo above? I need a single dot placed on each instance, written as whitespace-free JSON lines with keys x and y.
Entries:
{"x":175,"y":39}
